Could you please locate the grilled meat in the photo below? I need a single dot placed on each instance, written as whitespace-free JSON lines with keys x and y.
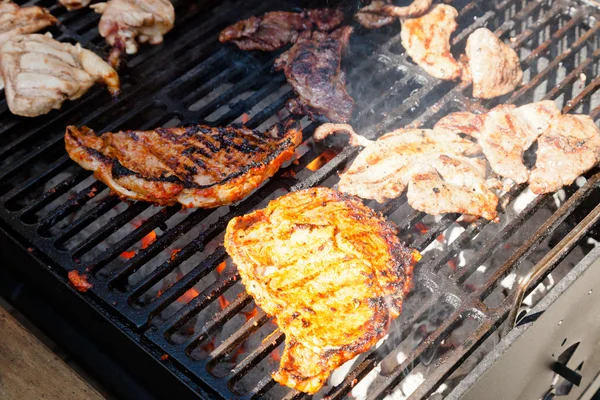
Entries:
{"x":379,"y":13}
{"x":15,"y":20}
{"x":74,"y":4}
{"x":494,"y":67}
{"x":124,"y":23}
{"x":427,"y":41}
{"x":504,"y":133}
{"x":278,"y":28}
{"x":431,"y":164}
{"x":332,"y":272}
{"x":312,"y":68}
{"x":568,"y":148}
{"x":452,"y":184}
{"x":40,"y":73}
{"x":197,"y":166}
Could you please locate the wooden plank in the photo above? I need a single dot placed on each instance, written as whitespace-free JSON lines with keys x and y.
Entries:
{"x":29,"y":370}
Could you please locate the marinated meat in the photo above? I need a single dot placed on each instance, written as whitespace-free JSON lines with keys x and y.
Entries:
{"x":427,"y":41}
{"x":380,"y":13}
{"x":40,"y":73}
{"x":494,"y":67}
{"x":567,"y":149}
{"x":279,"y":28}
{"x":332,"y":272}
{"x":452,"y":184}
{"x":197,"y":166}
{"x":15,"y":20}
{"x":74,"y":4}
{"x":504,"y":134}
{"x":432,"y":164}
{"x":312,"y":68}
{"x":124,"y":23}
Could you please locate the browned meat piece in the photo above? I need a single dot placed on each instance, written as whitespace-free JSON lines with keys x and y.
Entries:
{"x":15,"y":20}
{"x":74,"y":4}
{"x":380,"y":13}
{"x":332,"y":272}
{"x":567,"y":149}
{"x":40,"y":73}
{"x":494,"y":67}
{"x":312,"y":68}
{"x":197,"y":166}
{"x":430,"y":163}
{"x":504,"y":134}
{"x":279,"y":28}
{"x":124,"y":23}
{"x":427,"y":41}
{"x":452,"y":184}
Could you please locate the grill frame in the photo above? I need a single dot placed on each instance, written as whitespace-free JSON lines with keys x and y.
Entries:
{"x":155,"y":87}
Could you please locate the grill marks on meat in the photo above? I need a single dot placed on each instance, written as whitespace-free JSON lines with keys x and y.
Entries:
{"x":432,"y":164}
{"x":276,"y":29}
{"x":333,"y":287}
{"x":312,"y":68}
{"x":40,"y":73}
{"x":494,"y":67}
{"x":505,"y":133}
{"x":124,"y":23}
{"x":15,"y":20}
{"x":379,"y":13}
{"x":427,"y":41}
{"x":197,"y":166}
{"x":567,"y":149}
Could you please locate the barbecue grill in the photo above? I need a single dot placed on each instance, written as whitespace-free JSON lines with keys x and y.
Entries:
{"x":166,"y":302}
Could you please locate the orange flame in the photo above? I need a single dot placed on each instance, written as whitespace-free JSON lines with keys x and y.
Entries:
{"x":126,"y":255}
{"x":148,"y":239}
{"x":173,"y":252}
{"x":250,"y":314}
{"x":421,"y":227}
{"x":188,"y":296}
{"x":275,"y":355}
{"x":221,"y":267}
{"x":223,"y":302}
{"x":323,"y":159}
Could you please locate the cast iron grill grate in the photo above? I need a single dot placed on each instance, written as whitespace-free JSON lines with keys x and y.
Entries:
{"x":65,"y":216}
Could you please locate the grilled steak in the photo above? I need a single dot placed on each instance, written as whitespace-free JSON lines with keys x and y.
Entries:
{"x":568,"y":148}
{"x":379,"y":13}
{"x":427,"y":41}
{"x":504,"y":133}
{"x":312,"y":68}
{"x":124,"y":23}
{"x":278,"y":28}
{"x":494,"y":67}
{"x":332,"y":272}
{"x":40,"y":73}
{"x":197,"y":166}
{"x":431,"y":164}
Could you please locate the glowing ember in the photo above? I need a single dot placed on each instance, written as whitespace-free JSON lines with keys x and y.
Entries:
{"x":250,"y":314}
{"x":126,"y":255}
{"x":275,"y":355}
{"x":453,"y":264}
{"x":223,"y":302}
{"x":80,"y":282}
{"x":188,"y":296}
{"x":323,"y":159}
{"x":221,"y":267}
{"x":148,"y":239}
{"x":173,"y":254}
{"x":209,"y":347}
{"x":421,"y":227}
{"x":245,"y":118}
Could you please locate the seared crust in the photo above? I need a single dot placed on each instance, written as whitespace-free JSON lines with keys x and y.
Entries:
{"x":332,"y":271}
{"x":197,"y":166}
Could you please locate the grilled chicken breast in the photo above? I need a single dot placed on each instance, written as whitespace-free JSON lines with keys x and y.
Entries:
{"x":568,"y":148}
{"x":431,"y":164}
{"x":312,"y":68}
{"x":504,"y":133}
{"x":494,"y":67}
{"x":197,"y":166}
{"x":74,"y":4}
{"x":332,"y":272}
{"x":279,"y":28}
{"x":40,"y":73}
{"x":124,"y":23}
{"x":427,"y":41}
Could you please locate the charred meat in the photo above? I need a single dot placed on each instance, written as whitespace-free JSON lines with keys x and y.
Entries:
{"x":332,"y":272}
{"x":494,"y":67}
{"x":279,"y":28}
{"x":197,"y":166}
{"x":312,"y":68}
{"x":427,"y":41}
{"x":40,"y":73}
{"x":567,"y":149}
{"x":380,"y":13}
{"x":125,"y":23}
